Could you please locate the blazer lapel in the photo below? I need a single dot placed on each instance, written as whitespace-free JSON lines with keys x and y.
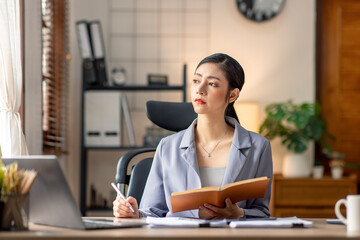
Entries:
{"x":237,"y":155}
{"x":188,"y":154}
{"x":187,"y":148}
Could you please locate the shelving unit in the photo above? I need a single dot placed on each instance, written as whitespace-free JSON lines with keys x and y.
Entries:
{"x":85,"y":149}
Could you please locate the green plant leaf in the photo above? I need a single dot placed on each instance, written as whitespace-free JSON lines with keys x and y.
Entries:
{"x":276,"y":111}
{"x":315,"y":128}
{"x":299,"y":115}
{"x":296,"y":125}
{"x":296,"y":142}
{"x":277,"y":129}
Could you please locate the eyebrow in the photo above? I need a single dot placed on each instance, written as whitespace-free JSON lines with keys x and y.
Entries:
{"x":212,"y":77}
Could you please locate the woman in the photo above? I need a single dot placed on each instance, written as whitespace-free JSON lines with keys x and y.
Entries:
{"x":213,"y":151}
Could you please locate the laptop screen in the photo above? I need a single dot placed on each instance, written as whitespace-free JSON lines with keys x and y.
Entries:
{"x":51,"y":201}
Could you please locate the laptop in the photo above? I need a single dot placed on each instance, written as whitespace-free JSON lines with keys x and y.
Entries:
{"x":51,"y":201}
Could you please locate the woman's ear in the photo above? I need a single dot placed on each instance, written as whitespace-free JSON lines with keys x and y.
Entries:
{"x":234,"y":94}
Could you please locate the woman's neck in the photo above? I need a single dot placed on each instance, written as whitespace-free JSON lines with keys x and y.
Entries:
{"x":210,"y":128}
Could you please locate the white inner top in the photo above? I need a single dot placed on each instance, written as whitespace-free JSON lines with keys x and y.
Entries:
{"x":211,"y":177}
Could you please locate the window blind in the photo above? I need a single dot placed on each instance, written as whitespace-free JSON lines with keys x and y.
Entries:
{"x":55,"y":59}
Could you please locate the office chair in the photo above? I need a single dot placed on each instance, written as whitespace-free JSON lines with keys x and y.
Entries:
{"x":133,"y":167}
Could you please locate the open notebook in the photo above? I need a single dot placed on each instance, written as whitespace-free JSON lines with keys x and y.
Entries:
{"x":51,"y":202}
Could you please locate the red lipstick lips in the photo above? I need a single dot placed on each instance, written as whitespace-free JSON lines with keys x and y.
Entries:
{"x":199,"y":101}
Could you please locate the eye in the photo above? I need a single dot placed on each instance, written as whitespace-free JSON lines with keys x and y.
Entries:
{"x":212,"y":84}
{"x":195,"y":81}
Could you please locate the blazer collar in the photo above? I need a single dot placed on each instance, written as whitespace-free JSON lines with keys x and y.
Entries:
{"x":238,"y":152}
{"x":241,"y":138}
{"x":187,"y":147}
{"x":188,"y":137}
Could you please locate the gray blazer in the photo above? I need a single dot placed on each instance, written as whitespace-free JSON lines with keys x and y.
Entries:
{"x":175,"y":169}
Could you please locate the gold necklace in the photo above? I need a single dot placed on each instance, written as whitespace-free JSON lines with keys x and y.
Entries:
{"x":209,"y":153}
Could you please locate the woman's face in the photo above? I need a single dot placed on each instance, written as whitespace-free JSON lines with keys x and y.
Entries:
{"x":209,"y":89}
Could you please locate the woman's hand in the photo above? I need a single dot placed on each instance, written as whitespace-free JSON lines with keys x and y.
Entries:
{"x":121,"y":208}
{"x":230,"y":211}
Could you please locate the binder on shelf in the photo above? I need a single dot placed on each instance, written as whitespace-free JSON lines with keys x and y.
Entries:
{"x":98,"y":51}
{"x":92,"y":52}
{"x":88,"y":67}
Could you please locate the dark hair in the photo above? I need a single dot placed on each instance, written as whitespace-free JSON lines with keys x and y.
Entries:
{"x":234,"y":73}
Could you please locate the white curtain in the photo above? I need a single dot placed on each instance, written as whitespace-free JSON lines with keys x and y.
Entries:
{"x":12,"y":141}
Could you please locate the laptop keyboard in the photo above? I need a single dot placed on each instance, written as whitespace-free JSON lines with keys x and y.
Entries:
{"x":91,"y":224}
{"x":106,"y":224}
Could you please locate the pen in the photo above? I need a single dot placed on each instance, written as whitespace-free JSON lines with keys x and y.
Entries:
{"x":122,"y":196}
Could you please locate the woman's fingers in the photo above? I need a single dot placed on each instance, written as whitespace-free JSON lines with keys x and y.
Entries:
{"x":214,"y":209}
{"x":121,"y":211}
{"x":206,"y":213}
{"x":132,"y":202}
{"x":121,"y":207}
{"x":230,"y":211}
{"x":228,"y":203}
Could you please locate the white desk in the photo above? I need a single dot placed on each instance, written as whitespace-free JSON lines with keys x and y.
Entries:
{"x":320,"y":230}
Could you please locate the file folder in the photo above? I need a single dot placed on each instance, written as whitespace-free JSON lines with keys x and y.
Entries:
{"x":88,"y":67}
{"x":92,"y":52}
{"x":98,"y":51}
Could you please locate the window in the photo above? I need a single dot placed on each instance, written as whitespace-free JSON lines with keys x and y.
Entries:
{"x":55,"y":59}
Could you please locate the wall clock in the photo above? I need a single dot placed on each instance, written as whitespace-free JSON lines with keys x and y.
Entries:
{"x":260,"y":10}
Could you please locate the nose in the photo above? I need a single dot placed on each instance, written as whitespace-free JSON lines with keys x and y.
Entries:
{"x":201,"y":89}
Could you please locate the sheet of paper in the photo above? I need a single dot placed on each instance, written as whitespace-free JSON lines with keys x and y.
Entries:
{"x":290,"y":222}
{"x":184,"y":222}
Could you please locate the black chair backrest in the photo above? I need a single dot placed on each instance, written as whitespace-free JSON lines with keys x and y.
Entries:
{"x":173,"y":116}
{"x":137,"y":184}
{"x":121,"y":176}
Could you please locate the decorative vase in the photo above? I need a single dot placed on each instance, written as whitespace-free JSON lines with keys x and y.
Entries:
{"x":296,"y":166}
{"x":318,"y":172}
{"x":336,"y":172}
{"x":15,"y":212}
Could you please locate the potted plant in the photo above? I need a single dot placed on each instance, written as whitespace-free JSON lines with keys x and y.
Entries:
{"x":15,"y":184}
{"x":336,"y":163}
{"x":296,"y":125}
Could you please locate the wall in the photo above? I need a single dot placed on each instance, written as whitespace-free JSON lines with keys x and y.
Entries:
{"x":278,"y":57}
{"x":32,"y":76}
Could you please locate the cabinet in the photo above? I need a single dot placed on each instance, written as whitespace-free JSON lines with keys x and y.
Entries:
{"x":85,"y":149}
{"x":309,"y":197}
{"x":338,"y":75}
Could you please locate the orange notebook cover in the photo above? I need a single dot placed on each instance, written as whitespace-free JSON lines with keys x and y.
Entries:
{"x":237,"y":191}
